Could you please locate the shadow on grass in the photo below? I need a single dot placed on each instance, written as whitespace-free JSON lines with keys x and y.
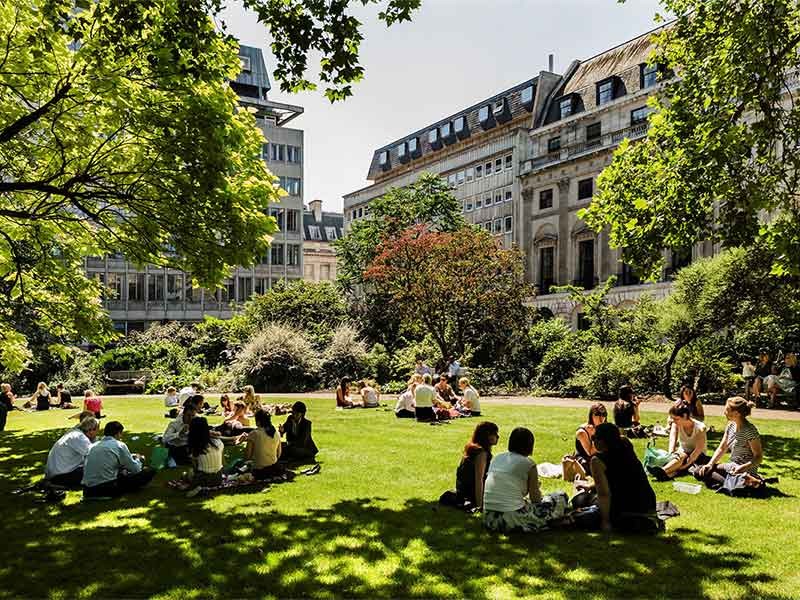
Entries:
{"x":157,"y":542}
{"x":781,"y":454}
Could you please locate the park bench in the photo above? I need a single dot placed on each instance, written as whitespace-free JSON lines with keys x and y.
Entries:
{"x":127,"y":380}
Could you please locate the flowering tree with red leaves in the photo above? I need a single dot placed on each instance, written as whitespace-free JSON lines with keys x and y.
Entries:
{"x":459,"y":286}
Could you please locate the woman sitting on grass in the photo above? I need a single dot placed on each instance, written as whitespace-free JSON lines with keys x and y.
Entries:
{"x":206,"y":452}
{"x":237,"y":422}
{"x":370,"y":395}
{"x":584,"y":447}
{"x":41,"y":397}
{"x":343,"y":399}
{"x":251,"y":400}
{"x":689,"y":395}
{"x":471,"y":471}
{"x":470,"y":402}
{"x":741,"y":439}
{"x":687,"y":442}
{"x":92,"y":403}
{"x":404,"y":409}
{"x":512,"y":499}
{"x":624,"y":495}
{"x":225,"y":406}
{"x":264,"y":448}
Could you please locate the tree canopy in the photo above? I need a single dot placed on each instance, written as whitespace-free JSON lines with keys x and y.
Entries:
{"x":721,"y":160}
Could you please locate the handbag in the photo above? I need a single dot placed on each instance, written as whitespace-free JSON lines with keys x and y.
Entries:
{"x":653,"y":457}
{"x":159,"y":458}
{"x":571,"y":468}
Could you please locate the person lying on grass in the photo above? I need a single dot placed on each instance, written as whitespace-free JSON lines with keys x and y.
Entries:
{"x":66,"y":458}
{"x":299,"y":445}
{"x":472,"y":470}
{"x":512,"y":499}
{"x":687,"y":443}
{"x":741,"y":439}
{"x":237,"y":423}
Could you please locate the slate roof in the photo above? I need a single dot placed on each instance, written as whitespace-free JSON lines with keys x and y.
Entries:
{"x":329,"y":219}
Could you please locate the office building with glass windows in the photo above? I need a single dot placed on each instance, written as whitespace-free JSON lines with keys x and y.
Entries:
{"x":140,"y":297}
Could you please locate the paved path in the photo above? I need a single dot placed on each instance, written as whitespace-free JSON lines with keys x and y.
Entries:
{"x":714,"y":410}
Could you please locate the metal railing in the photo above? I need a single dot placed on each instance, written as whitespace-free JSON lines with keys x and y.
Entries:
{"x":609,"y":139}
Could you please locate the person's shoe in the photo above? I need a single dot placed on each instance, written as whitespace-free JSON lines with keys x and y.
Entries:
{"x":313,"y":470}
{"x":194,"y":492}
{"x":659,"y":473}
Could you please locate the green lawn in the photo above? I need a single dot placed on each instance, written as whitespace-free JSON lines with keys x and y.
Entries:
{"x":368,"y":524}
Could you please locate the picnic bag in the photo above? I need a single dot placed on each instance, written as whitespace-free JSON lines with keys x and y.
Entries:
{"x":571,"y":468}
{"x":653,"y":457}
{"x":159,"y":458}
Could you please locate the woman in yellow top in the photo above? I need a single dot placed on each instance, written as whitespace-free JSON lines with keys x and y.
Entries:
{"x":264,"y":448}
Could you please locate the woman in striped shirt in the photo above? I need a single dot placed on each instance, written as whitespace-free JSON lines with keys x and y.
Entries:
{"x":741,"y":439}
{"x":206,"y":454}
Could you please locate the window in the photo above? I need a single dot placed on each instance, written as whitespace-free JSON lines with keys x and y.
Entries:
{"x":293,"y":255}
{"x":384,"y":158}
{"x":469,"y":205}
{"x":499,"y":107}
{"x":293,"y":154}
{"x":277,"y":214}
{"x":451,"y":180}
{"x":470,"y":174}
{"x":460,"y":178}
{"x":245,"y":289}
{"x":325,"y":272}
{"x":360,"y":212}
{"x":330,"y":233}
{"x":292,"y":186}
{"x":478,"y":203}
{"x":546,"y":269}
{"x":498,"y":225}
{"x":639,"y":115}
{"x":485,"y":116}
{"x":353,"y":215}
{"x":413,"y":146}
{"x":488,"y":226}
{"x":175,"y":287}
{"x":585,"y":188}
{"x":593,"y":133}
{"x":586,"y":264}
{"x":648,"y":75}
{"x":401,"y":151}
{"x":460,"y":127}
{"x":264,"y":151}
{"x":498,"y":165}
{"x":509,"y":196}
{"x":292,"y":220}
{"x":155,"y":287}
{"x":446,"y":129}
{"x":262,"y":285}
{"x":498,"y":197}
{"x":276,"y":254}
{"x":605,"y":91}
{"x":554,"y":144}
{"x":278,"y":151}
{"x":507,"y":223}
{"x":565,"y":107}
{"x":313,"y":231}
{"x":629,"y":276}
{"x":433,"y":138}
{"x":136,"y":286}
{"x":509,"y":161}
{"x":478,"y":171}
{"x":487,"y":201}
{"x":526,"y":97}
{"x":244,"y":61}
{"x":488,"y":169}
{"x":545,"y":199}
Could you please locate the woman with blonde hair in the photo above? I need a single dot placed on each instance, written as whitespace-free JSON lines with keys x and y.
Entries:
{"x":251,"y":399}
{"x":405,"y":407}
{"x":41,"y":397}
{"x":741,"y":439}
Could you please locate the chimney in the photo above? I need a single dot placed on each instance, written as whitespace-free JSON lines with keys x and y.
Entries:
{"x":550,"y":60}
{"x":316,"y":207}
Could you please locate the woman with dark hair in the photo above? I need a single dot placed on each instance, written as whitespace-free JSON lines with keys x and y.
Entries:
{"x":512,"y":498}
{"x":225,"y":404}
{"x":741,"y":439}
{"x":343,"y":399}
{"x":471,"y":471}
{"x":206,"y":452}
{"x":624,"y":494}
{"x":584,"y":448}
{"x":264,"y":447}
{"x":689,"y":396}
{"x":687,"y":442}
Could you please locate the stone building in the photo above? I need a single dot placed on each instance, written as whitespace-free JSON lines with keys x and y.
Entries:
{"x":320,"y":230}
{"x":141,"y":297}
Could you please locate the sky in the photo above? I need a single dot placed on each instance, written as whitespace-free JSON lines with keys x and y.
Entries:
{"x":453,"y":54}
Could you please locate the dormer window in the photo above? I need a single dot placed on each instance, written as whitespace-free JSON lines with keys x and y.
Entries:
{"x":383,"y":159}
{"x":526,"y":98}
{"x":605,"y":91}
{"x":435,"y":138}
{"x":244,"y":61}
{"x":648,"y":75}
{"x":486,"y":117}
{"x":402,"y":152}
{"x":501,"y":111}
{"x":461,"y":127}
{"x":413,"y":148}
{"x":565,"y":107}
{"x":446,"y":129}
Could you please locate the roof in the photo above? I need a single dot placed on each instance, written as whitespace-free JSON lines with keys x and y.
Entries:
{"x":257,"y":76}
{"x":329,"y":219}
{"x":471,"y":112}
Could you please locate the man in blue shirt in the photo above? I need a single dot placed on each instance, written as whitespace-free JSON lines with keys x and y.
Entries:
{"x":110,"y":469}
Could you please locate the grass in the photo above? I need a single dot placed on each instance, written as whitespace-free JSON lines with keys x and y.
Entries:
{"x":368,"y":524}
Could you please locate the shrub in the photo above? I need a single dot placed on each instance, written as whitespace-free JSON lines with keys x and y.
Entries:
{"x":706,"y":362}
{"x":404,"y":360}
{"x":560,"y":362}
{"x":277,"y":359}
{"x":604,"y":371}
{"x":346,"y":355}
{"x":380,"y":363}
{"x":83,"y":373}
{"x":216,"y":341}
{"x":182,"y":334}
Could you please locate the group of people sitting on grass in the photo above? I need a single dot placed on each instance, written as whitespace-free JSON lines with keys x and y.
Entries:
{"x":107,"y":468}
{"x":367,"y":394}
{"x":430,"y":403}
{"x":615,"y":491}
{"x":775,"y":377}
{"x":42,"y":400}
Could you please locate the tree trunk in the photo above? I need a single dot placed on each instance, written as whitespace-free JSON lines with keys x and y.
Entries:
{"x":667,"y":383}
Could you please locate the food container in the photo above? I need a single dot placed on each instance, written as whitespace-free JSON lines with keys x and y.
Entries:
{"x":686,"y":488}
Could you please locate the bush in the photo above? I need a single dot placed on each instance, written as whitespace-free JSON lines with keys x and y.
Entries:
{"x":706,"y":362}
{"x":404,"y":360}
{"x":380,"y":363}
{"x":561,"y":361}
{"x":604,"y":371}
{"x":345,"y":356}
{"x":278,"y":359}
{"x":82,"y":374}
{"x":216,"y":341}
{"x":182,"y":334}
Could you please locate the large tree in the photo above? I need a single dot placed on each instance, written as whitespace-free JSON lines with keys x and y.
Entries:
{"x":721,"y":161}
{"x":459,"y":286}
{"x":119,"y":133}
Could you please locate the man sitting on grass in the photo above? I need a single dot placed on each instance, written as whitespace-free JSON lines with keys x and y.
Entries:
{"x":110,"y":469}
{"x":176,"y":436}
{"x":299,"y":445}
{"x":65,"y":460}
